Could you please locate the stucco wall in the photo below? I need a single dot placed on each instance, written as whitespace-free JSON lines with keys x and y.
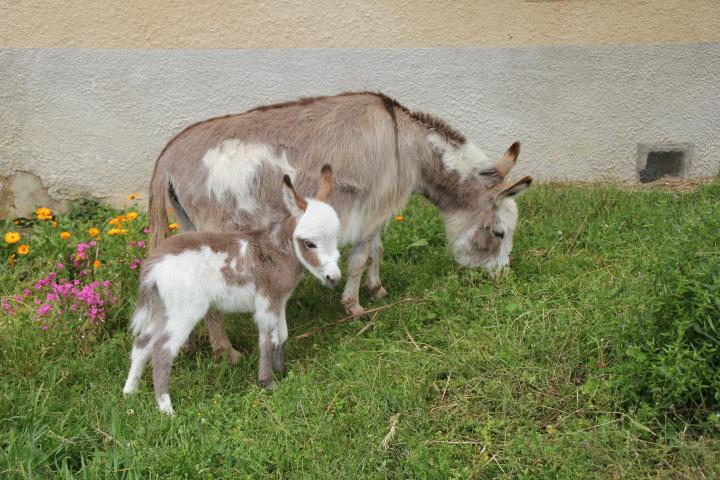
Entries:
{"x":580,"y":83}
{"x":358,"y":23}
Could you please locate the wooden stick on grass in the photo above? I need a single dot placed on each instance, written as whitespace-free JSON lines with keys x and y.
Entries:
{"x":350,"y":318}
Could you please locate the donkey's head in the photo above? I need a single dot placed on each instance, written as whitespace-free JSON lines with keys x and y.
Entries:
{"x":481,"y":233}
{"x":316,"y":232}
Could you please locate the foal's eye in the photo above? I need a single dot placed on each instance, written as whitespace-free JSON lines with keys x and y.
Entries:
{"x":310,"y":244}
{"x":499,"y":234}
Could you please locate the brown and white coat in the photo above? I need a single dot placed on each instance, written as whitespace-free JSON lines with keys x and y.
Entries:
{"x":255,"y":272}
{"x":218,"y":175}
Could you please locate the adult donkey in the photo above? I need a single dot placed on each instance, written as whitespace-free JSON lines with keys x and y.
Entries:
{"x":221,"y":175}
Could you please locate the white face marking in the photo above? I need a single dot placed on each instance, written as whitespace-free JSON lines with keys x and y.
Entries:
{"x":320,"y":225}
{"x":468,"y":160}
{"x":462,"y":232}
{"x":233,"y":166}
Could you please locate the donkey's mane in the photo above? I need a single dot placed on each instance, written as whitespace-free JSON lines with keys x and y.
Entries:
{"x":425,"y":119}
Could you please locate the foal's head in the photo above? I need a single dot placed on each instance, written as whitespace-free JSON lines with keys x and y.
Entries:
{"x":318,"y":227}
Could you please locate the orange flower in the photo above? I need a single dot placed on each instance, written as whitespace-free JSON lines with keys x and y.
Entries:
{"x":96,"y":264}
{"x":11,"y":260}
{"x":93,"y":232}
{"x":173,"y":226}
{"x":133,"y":196}
{"x":23,"y":249}
{"x":117,"y":231}
{"x":43,"y":213}
{"x":399,"y":218}
{"x":131,"y":215}
{"x":65,"y":235}
{"x":12,"y":237}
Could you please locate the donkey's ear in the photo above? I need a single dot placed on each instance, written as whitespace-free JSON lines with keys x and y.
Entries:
{"x":507,"y":162}
{"x":506,"y":190}
{"x":325,"y":184}
{"x":295,"y":204}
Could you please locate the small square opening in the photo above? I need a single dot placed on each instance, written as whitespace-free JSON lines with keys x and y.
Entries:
{"x":655,"y":161}
{"x":659,"y":164}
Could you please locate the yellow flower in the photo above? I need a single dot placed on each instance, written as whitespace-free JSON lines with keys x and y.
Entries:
{"x":11,"y":260}
{"x":65,"y":235}
{"x":12,"y":237}
{"x":133,"y":196}
{"x":96,"y":264}
{"x":43,"y":213}
{"x":117,"y":231}
{"x":93,"y":232}
{"x":173,"y":226}
{"x":23,"y":249}
{"x":131,"y":215}
{"x":399,"y":218}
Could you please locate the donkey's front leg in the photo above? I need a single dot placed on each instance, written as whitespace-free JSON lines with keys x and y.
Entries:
{"x":372,"y":277}
{"x":355,"y":265}
{"x":219,"y":339}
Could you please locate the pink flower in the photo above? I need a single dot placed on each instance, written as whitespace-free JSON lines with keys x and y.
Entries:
{"x":44,"y":309}
{"x":132,"y":243}
{"x":27,"y":292}
{"x":18,"y":298}
{"x":45,"y":328}
{"x":146,"y":230}
{"x":141,"y":244}
{"x":59,"y":266}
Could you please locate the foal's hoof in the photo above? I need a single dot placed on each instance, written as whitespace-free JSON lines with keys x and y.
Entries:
{"x":378,"y":292}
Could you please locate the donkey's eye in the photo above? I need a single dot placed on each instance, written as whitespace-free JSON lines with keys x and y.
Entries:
{"x":309,"y":244}
{"x":499,"y":234}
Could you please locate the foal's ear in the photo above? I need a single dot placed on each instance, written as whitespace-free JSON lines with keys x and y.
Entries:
{"x":506,"y":190}
{"x":295,"y":203}
{"x":325,"y":184}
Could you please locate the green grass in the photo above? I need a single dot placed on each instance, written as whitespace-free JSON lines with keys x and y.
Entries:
{"x":526,"y":377}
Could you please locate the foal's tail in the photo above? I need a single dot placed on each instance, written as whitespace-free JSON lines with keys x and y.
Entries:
{"x":148,"y":305}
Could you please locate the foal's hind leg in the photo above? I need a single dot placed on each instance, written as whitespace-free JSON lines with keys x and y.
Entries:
{"x":165,"y":347}
{"x":138,"y":359}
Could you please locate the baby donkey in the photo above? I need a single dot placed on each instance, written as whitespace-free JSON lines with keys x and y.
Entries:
{"x":234,"y":272}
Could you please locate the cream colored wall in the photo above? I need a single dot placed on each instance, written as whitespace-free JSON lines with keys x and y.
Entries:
{"x":361,"y":24}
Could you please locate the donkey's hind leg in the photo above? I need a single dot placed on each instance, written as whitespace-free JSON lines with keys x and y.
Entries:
{"x":372,"y":276}
{"x":219,"y":339}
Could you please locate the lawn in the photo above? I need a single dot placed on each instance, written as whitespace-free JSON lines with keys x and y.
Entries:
{"x":596,"y":357}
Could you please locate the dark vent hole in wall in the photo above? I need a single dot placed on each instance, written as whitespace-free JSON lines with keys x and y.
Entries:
{"x":662,"y":163}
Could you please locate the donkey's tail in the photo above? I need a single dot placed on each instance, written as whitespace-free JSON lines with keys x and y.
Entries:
{"x":148,"y":305}
{"x":157,"y":208}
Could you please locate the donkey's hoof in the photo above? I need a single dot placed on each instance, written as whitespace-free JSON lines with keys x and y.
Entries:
{"x":232,"y":356}
{"x":268,"y":384}
{"x":354,"y":309}
{"x":378,"y":292}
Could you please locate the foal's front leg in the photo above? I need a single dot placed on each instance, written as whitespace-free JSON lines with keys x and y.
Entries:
{"x":281,"y":333}
{"x":269,"y":323}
